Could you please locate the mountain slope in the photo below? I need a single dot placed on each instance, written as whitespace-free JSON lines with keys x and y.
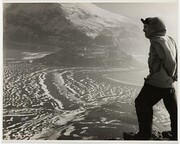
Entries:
{"x":79,"y":30}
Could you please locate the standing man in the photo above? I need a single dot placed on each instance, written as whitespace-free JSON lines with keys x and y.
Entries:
{"x":159,"y":84}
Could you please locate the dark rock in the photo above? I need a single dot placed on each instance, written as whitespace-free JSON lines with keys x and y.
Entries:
{"x":156,"y":135}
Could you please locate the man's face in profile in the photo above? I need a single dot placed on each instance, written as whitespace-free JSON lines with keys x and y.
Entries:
{"x":147,"y":30}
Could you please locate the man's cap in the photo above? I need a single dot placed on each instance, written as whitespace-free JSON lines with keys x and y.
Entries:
{"x":146,"y":21}
{"x":155,"y":22}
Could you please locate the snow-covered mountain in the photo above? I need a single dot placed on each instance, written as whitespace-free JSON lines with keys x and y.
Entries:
{"x":74,"y":30}
{"x":91,"y":19}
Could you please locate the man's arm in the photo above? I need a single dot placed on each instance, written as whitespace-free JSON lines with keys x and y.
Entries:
{"x":176,"y":73}
{"x":157,"y":58}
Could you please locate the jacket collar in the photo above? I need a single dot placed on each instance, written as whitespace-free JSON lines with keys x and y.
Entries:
{"x":157,"y":34}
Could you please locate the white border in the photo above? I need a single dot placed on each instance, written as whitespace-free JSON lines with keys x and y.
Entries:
{"x":1,"y":68}
{"x":87,"y":1}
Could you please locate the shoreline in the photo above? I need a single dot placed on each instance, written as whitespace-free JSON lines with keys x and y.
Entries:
{"x":129,"y":77}
{"x":122,"y":82}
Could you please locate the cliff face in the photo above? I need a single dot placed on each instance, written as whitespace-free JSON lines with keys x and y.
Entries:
{"x":80,"y":31}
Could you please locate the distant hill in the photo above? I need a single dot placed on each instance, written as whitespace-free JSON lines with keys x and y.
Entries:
{"x":79,"y":33}
{"x":90,"y":59}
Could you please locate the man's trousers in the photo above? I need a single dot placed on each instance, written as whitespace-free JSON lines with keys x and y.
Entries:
{"x":147,"y":98}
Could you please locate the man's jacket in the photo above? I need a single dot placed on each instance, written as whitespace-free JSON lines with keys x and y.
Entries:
{"x":162,"y":62}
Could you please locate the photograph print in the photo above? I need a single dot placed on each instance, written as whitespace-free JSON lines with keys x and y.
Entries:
{"x":90,"y":71}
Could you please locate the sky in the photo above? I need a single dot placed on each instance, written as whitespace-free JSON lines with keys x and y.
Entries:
{"x":168,"y":12}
